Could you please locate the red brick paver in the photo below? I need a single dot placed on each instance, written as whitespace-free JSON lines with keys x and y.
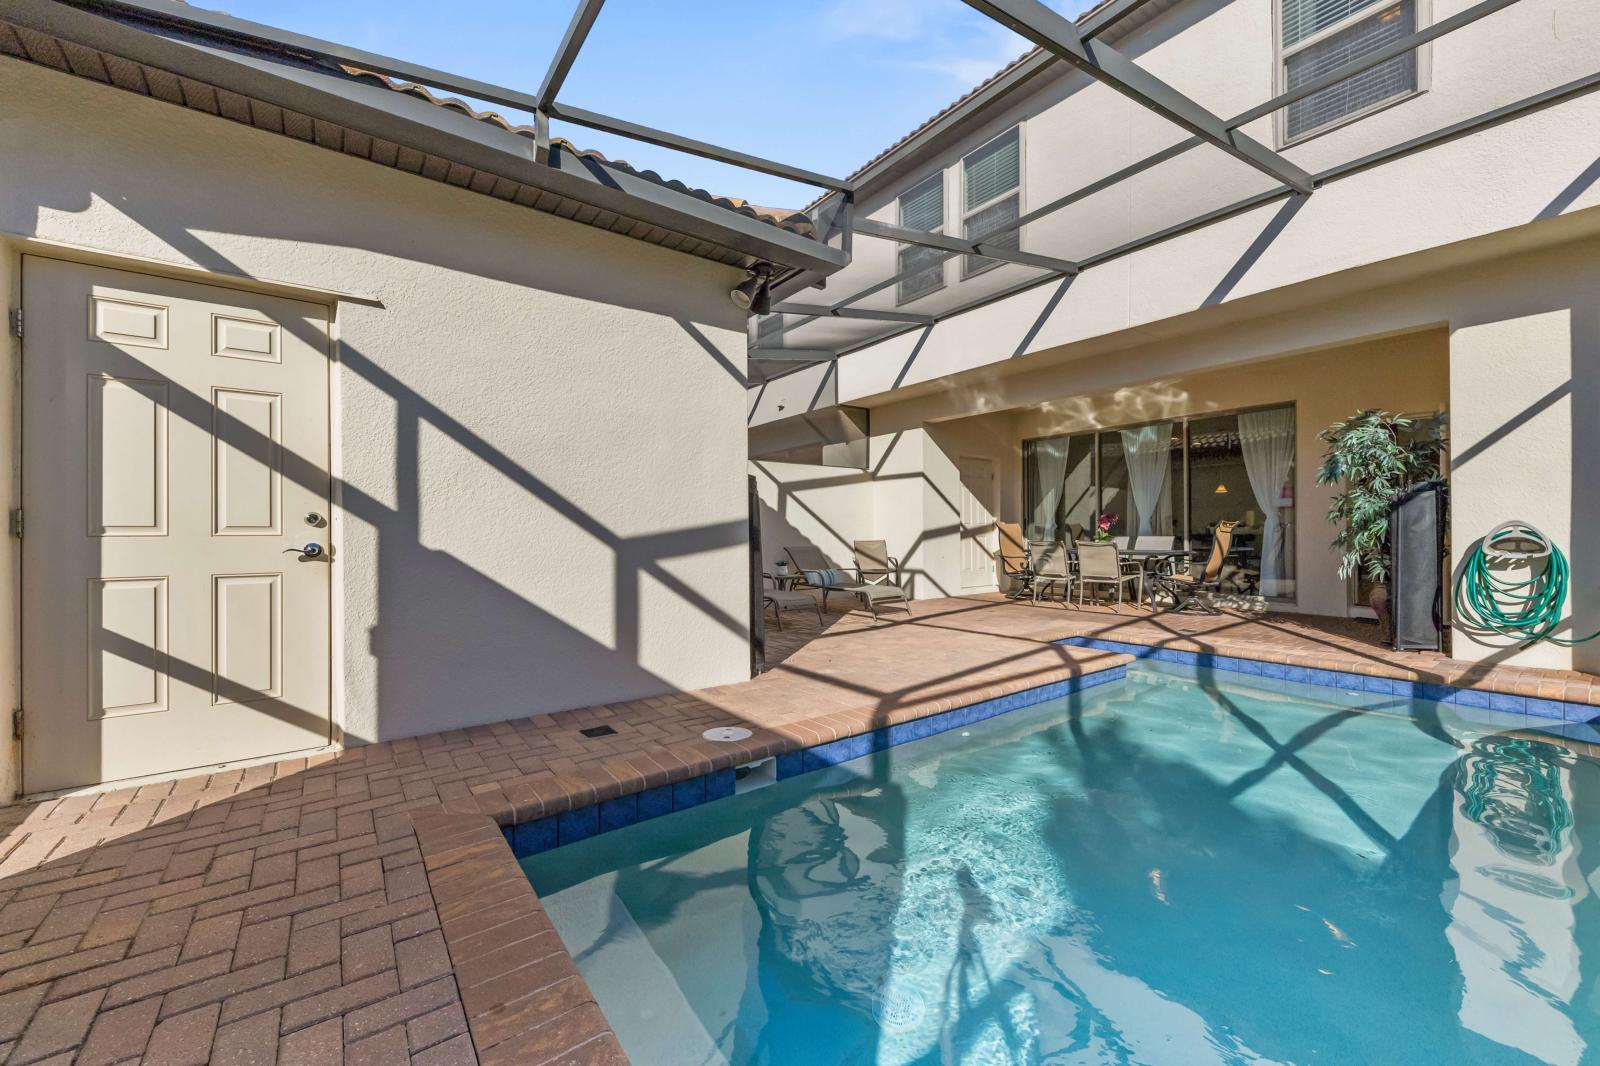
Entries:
{"x":363,"y":907}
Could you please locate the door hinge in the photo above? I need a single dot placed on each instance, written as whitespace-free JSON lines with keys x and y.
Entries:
{"x":16,"y":724}
{"x":16,"y":523}
{"x":15,"y":320}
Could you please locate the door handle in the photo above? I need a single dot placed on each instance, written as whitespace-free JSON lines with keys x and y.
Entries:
{"x":312,"y":550}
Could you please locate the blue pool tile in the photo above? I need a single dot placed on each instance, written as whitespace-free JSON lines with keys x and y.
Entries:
{"x":790,"y":763}
{"x":1544,"y":708}
{"x":1277,"y":670}
{"x":719,"y":785}
{"x":1297,"y":673}
{"x":1250,"y":666}
{"x":619,"y":813}
{"x":530,"y":838}
{"x":654,"y":802}
{"x":690,"y":793}
{"x":1435,"y":693}
{"x":1373,"y":684}
{"x":580,"y":823}
{"x":1470,"y":697}
{"x":1580,"y":712}
{"x":510,"y":833}
{"x":1508,"y":703}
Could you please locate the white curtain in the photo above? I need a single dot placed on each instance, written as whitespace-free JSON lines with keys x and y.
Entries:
{"x":1049,"y":471}
{"x":1267,"y":440}
{"x":1148,"y":450}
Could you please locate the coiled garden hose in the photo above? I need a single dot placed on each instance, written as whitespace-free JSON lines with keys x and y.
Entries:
{"x":1526,"y":610}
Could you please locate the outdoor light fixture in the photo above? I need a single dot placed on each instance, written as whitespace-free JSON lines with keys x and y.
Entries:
{"x":752,"y":293}
{"x":1222,"y":490}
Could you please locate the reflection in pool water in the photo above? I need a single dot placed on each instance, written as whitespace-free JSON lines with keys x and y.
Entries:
{"x":1179,"y":868}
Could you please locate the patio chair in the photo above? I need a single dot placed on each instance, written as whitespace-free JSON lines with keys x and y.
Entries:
{"x":819,"y":572}
{"x":788,"y":600}
{"x":1015,"y":566}
{"x":1050,"y":565}
{"x":1100,"y":564}
{"x":1186,"y":589}
{"x":875,"y":565}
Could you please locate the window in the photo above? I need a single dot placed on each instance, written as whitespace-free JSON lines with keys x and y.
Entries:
{"x":1174,"y":481}
{"x":922,"y":209}
{"x":1321,"y":35}
{"x":991,"y":195}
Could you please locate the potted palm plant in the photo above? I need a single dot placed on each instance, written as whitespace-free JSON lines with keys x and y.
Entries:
{"x":1372,"y":457}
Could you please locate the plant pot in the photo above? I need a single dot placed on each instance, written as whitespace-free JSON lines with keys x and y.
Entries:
{"x":1378,"y":599}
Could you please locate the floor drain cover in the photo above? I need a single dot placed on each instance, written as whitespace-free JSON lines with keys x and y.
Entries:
{"x":598,"y":731}
{"x":726,"y":734}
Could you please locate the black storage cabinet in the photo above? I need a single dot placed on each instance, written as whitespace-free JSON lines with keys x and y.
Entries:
{"x":1416,"y":578}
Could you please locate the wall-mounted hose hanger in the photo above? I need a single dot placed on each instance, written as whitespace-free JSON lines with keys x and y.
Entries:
{"x":1514,"y":585}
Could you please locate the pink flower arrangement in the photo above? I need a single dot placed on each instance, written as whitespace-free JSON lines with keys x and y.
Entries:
{"x":1103,"y":525}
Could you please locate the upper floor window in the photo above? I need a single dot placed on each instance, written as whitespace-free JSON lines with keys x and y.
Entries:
{"x":1322,"y":35}
{"x":991,"y":195}
{"x":922,"y":208}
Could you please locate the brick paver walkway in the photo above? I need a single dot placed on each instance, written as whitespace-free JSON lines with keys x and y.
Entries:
{"x":362,"y":908}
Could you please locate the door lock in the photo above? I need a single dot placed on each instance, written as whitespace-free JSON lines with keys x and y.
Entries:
{"x":314,"y":520}
{"x":312,"y":550}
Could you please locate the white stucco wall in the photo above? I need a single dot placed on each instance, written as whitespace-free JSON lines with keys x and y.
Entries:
{"x":543,"y":459}
{"x":1538,"y":166}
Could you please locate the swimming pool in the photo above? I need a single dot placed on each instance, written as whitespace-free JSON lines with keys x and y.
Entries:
{"x":1178,"y":867}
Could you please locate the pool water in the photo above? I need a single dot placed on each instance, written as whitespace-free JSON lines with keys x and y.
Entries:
{"x":1180,"y":867}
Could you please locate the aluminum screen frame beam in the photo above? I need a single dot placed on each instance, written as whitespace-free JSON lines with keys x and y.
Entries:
{"x":821,"y":311}
{"x":567,"y":54}
{"x":594,"y":120}
{"x":869,"y":228}
{"x":1058,"y":36}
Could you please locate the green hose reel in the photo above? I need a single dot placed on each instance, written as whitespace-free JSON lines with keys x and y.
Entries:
{"x":1526,"y":610}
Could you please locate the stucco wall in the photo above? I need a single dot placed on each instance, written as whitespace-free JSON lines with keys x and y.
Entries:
{"x":542,"y":441}
{"x":824,"y":507}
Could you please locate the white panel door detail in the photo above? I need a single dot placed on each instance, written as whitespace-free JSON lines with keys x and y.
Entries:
{"x":172,"y":451}
{"x":977,"y":523}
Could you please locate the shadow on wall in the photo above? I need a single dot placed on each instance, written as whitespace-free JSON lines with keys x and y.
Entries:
{"x":454,"y":642}
{"x":1581,"y":391}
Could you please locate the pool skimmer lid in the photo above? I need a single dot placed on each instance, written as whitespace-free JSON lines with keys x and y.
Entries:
{"x":727,"y":734}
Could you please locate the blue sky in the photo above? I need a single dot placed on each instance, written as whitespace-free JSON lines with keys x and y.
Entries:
{"x":824,"y":84}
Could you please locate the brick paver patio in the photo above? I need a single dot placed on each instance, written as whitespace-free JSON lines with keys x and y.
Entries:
{"x":363,"y":908}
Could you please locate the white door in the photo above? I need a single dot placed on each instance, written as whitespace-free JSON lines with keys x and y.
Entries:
{"x":977,"y":524}
{"x":175,"y":444}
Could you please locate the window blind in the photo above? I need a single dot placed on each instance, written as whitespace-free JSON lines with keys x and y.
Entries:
{"x":923,"y":207}
{"x":986,"y":221}
{"x":1359,"y":91}
{"x":993,"y":170}
{"x":1302,"y":18}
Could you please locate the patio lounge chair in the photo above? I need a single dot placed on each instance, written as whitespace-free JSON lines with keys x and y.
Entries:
{"x":818,"y":572}
{"x":1100,"y":564}
{"x":788,"y":600}
{"x":1186,"y":589}
{"x":1051,"y":566}
{"x":1015,"y":565}
{"x":875,"y":565}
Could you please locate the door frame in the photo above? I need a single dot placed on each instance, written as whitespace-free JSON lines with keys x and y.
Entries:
{"x":16,"y":253}
{"x":993,"y":506}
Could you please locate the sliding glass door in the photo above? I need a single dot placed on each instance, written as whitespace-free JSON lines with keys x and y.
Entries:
{"x":1170,"y":483}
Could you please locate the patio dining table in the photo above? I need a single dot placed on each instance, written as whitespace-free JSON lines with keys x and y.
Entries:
{"x":1150,"y":559}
